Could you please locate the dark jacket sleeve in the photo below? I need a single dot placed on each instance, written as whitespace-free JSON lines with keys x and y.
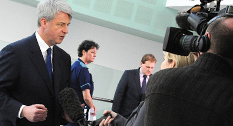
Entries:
{"x":137,"y":116}
{"x":8,"y":77}
{"x":135,"y":119}
{"x":119,"y":121}
{"x":118,"y":97}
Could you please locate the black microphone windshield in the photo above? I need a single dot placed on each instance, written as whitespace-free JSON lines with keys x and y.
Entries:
{"x":71,"y":105}
{"x":181,"y":20}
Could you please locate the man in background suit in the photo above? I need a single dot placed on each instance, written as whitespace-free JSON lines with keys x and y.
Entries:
{"x":28,"y":91}
{"x":130,"y":90}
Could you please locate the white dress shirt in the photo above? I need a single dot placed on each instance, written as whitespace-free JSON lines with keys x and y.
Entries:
{"x":43,"y":48}
{"x":141,"y":77}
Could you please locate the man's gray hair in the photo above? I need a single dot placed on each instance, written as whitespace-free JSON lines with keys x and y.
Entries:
{"x":49,"y":8}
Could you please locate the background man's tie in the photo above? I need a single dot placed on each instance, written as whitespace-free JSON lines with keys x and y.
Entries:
{"x":144,"y":84}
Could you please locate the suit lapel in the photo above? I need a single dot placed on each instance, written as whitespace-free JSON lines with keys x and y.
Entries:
{"x":56,"y":69}
{"x":38,"y":60}
{"x":137,"y":81}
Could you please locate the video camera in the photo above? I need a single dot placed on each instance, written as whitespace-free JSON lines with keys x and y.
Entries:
{"x":181,"y":40}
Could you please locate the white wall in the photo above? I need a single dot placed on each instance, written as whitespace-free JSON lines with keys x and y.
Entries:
{"x":118,"y":51}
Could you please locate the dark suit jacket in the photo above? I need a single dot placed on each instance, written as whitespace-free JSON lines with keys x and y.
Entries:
{"x":24,"y":80}
{"x":128,"y":93}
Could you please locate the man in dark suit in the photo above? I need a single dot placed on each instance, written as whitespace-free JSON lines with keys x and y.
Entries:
{"x":131,"y":88}
{"x":28,"y":89}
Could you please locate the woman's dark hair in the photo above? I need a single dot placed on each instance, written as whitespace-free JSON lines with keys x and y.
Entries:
{"x":86,"y":45}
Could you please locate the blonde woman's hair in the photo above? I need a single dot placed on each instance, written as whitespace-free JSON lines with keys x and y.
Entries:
{"x":180,"y":61}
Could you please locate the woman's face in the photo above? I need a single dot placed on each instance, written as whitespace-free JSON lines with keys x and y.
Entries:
{"x":90,"y":55}
{"x":165,"y":64}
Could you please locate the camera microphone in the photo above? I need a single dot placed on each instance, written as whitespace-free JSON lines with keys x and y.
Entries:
{"x":182,"y":16}
{"x":71,"y":105}
{"x":181,"y":20}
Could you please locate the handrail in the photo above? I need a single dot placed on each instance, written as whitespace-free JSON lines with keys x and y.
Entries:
{"x":102,"y":99}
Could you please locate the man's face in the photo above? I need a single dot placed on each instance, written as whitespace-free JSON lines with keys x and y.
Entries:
{"x":147,"y":67}
{"x":56,"y":29}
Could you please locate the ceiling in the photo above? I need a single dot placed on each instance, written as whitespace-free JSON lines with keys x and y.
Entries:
{"x":144,"y":18}
{"x":183,"y":4}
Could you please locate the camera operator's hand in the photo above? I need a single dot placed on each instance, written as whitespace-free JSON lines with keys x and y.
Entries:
{"x":109,"y":119}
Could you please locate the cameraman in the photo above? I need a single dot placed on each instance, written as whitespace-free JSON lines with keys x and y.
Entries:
{"x":200,"y":94}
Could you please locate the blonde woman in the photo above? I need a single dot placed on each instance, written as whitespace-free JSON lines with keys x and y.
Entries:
{"x":173,"y":61}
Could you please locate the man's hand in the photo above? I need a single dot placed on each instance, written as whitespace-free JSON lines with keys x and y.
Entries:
{"x":34,"y":113}
{"x":109,"y":119}
{"x":67,"y":118}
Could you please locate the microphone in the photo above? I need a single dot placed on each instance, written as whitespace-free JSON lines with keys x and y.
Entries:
{"x":71,"y":105}
{"x":181,"y":20}
{"x":182,"y":16}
